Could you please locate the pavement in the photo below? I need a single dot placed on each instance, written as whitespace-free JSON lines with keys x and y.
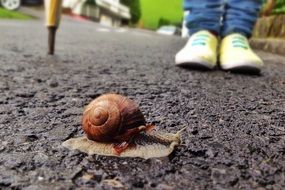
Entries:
{"x":235,"y":132}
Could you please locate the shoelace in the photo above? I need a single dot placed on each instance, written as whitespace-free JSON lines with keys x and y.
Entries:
{"x":240,"y":42}
{"x":200,"y":40}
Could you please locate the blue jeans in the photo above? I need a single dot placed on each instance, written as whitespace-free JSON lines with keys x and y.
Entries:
{"x":222,"y":17}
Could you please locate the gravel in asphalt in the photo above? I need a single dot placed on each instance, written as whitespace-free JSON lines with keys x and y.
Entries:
{"x":235,"y":136}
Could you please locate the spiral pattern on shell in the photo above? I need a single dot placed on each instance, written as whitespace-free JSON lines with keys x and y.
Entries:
{"x":109,"y":116}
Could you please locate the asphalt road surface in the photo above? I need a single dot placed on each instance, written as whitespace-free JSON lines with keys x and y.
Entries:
{"x":235,"y":136}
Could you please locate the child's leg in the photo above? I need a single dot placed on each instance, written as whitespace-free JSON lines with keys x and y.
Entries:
{"x":240,"y":16}
{"x":235,"y":51}
{"x":204,"y":15}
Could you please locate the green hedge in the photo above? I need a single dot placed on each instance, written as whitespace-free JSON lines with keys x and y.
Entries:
{"x":161,"y":12}
{"x":279,"y":7}
{"x":135,"y":9}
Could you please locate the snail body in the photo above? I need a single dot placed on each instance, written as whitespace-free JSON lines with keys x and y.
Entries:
{"x":112,"y":123}
{"x":112,"y":118}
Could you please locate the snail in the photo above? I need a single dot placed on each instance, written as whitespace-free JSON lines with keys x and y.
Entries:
{"x":113,"y":118}
{"x":115,"y":126}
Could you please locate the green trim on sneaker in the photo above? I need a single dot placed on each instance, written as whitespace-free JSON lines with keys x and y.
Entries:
{"x":200,"y":51}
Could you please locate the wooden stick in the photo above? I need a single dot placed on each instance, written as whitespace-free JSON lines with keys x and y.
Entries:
{"x":51,"y":39}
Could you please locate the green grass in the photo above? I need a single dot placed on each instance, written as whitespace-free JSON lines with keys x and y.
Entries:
{"x":154,"y":10}
{"x":12,"y":15}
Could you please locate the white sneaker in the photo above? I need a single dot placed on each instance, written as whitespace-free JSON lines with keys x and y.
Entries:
{"x":200,"y":51}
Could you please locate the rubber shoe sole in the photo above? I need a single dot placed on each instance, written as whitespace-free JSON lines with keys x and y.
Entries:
{"x":196,"y":65}
{"x":253,"y":68}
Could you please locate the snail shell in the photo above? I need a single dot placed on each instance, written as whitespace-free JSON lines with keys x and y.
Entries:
{"x":110,"y":116}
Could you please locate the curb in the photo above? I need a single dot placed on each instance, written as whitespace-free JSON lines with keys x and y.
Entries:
{"x":272,"y":45}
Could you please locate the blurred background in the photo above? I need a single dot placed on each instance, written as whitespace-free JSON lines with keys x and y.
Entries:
{"x":147,"y":14}
{"x":163,"y":16}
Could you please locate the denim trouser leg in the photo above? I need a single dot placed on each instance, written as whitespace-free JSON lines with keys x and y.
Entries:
{"x":240,"y":16}
{"x":204,"y":15}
